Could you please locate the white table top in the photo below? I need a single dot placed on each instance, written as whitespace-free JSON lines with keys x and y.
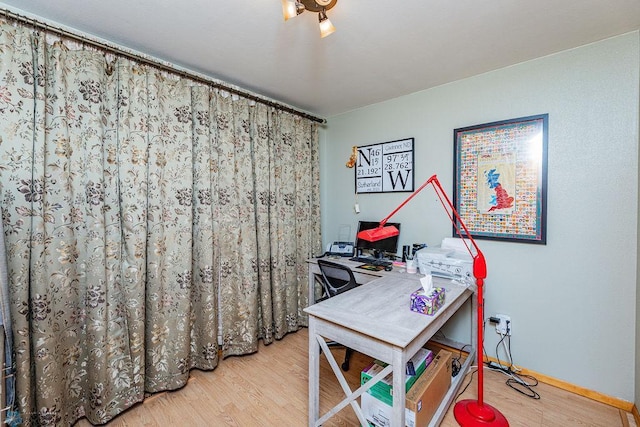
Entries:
{"x":381,"y":308}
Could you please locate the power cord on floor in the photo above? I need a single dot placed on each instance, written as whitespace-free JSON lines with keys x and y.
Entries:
{"x":520,"y":383}
{"x":470,"y":374}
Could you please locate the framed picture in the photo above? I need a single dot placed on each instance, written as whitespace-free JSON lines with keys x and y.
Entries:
{"x":386,"y":167}
{"x":500,"y":179}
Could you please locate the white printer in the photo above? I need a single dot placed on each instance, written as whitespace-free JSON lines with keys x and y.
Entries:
{"x":451,"y":260}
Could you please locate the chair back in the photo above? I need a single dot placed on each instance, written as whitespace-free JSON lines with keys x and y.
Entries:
{"x":337,"y":278}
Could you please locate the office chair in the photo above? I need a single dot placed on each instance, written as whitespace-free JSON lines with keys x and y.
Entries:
{"x":336,"y":279}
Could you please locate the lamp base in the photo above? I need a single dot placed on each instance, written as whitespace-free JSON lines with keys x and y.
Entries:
{"x":469,"y":413}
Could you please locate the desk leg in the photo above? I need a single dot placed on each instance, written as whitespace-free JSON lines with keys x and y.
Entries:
{"x":314,"y":373}
{"x":399,"y":380}
{"x":312,"y":288}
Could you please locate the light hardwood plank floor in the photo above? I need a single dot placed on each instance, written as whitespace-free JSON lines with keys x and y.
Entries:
{"x":270,"y":388}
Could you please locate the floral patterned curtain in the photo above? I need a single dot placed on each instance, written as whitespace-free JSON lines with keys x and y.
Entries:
{"x":151,"y":223}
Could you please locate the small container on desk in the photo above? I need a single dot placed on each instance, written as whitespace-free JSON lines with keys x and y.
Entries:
{"x":427,"y":303}
{"x":412,"y":266}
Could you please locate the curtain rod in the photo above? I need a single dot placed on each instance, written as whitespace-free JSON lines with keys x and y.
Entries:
{"x":156,"y":63}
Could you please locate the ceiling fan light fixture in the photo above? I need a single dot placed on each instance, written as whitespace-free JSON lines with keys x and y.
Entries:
{"x":291,"y":9}
{"x":326,"y":27}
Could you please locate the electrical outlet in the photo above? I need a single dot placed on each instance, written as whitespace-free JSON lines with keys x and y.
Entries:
{"x":504,"y":326}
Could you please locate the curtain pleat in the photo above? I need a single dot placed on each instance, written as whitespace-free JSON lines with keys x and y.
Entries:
{"x":129,"y":158}
{"x":238,"y":277}
{"x":169,"y":234}
{"x":260,"y":133}
{"x":150,"y":222}
{"x":203,"y":316}
{"x":285,"y":244}
{"x":308,"y":233}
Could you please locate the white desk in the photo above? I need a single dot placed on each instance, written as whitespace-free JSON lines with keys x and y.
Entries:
{"x":376,"y":320}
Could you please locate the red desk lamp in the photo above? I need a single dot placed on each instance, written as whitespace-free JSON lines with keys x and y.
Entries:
{"x":468,"y":412}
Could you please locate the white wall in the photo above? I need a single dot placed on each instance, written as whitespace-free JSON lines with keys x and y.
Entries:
{"x":573,"y":300}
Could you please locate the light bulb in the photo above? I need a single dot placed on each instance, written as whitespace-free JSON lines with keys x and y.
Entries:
{"x":326,"y":27}
{"x":291,"y":9}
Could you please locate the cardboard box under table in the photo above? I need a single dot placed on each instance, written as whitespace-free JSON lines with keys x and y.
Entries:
{"x":383,"y":389}
{"x":422,"y":400}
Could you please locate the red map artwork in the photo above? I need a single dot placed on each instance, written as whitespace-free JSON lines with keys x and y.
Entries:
{"x":502,"y":199}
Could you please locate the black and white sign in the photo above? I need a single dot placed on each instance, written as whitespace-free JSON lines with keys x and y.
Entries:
{"x":385,"y":167}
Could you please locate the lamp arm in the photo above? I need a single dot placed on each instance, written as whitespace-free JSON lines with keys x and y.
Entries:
{"x":479,"y":262}
{"x":384,"y":221}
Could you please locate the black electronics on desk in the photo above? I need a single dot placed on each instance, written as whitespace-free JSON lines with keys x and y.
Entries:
{"x":340,"y":249}
{"x":385,"y":248}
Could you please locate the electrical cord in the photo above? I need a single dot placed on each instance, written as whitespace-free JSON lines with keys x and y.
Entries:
{"x":456,"y":364}
{"x":516,"y":381}
{"x":521,"y":386}
{"x":470,"y":374}
{"x":508,"y":350}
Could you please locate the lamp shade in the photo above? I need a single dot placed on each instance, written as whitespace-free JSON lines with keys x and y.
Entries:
{"x":326,"y":27}
{"x":289,"y":9}
{"x":378,"y":233}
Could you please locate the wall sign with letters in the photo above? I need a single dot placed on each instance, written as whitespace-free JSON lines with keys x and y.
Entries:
{"x":385,"y":167}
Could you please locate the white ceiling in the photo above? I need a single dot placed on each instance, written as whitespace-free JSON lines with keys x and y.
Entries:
{"x":381,"y":49}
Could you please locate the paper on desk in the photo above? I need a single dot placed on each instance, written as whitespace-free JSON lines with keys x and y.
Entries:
{"x":427,"y":283}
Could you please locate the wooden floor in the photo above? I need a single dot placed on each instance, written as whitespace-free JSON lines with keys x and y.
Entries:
{"x":270,"y":388}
